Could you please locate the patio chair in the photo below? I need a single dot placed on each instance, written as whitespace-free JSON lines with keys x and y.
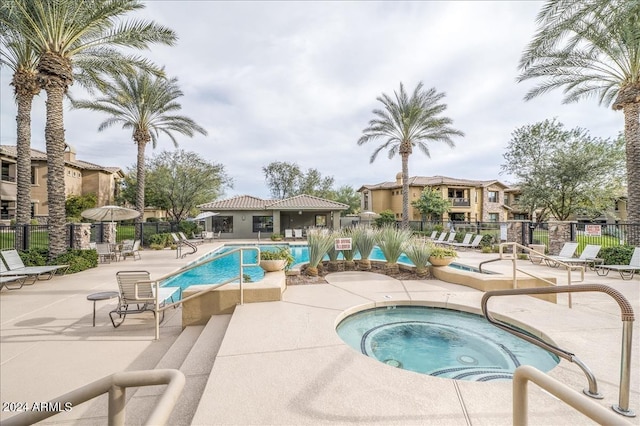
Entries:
{"x":433,"y":236}
{"x":440,"y":238}
{"x":138,"y":295}
{"x":16,"y":266}
{"x":133,"y":251}
{"x":5,"y":279}
{"x":450,"y":238}
{"x":588,"y":256}
{"x":567,"y":251}
{"x":190,"y":240}
{"x":297,"y":234}
{"x":466,"y":240}
{"x":473,"y":244}
{"x":626,"y":271}
{"x":288,"y":234}
{"x":105,"y":253}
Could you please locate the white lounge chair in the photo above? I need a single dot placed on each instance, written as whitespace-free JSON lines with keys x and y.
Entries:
{"x":297,"y":233}
{"x":626,"y":271}
{"x":5,"y":278}
{"x":588,"y":256}
{"x":133,"y":251}
{"x":473,"y":244}
{"x":567,"y":251}
{"x":138,"y":295}
{"x":16,"y":266}
{"x":466,"y":240}
{"x":440,"y":238}
{"x":105,"y":253}
{"x":288,"y":234}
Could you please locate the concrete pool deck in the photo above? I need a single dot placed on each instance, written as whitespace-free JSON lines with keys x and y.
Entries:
{"x":282,"y":362}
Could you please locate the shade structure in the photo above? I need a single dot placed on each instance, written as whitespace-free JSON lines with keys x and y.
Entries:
{"x":369,"y":214}
{"x":110,"y":213}
{"x":203,"y":216}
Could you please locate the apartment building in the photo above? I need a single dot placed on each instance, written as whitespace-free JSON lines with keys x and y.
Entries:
{"x":81,"y":178}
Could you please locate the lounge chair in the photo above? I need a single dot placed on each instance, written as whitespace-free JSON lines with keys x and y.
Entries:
{"x":473,"y":244}
{"x":16,"y":266}
{"x":183,"y":242}
{"x":133,"y":251}
{"x":5,"y":279}
{"x":450,"y":238}
{"x":191,"y":240}
{"x":297,"y":233}
{"x":433,"y":236}
{"x":138,"y":295}
{"x":465,"y":241}
{"x":587,"y":257}
{"x":567,"y":251}
{"x":105,"y":253}
{"x":288,"y":234}
{"x":440,"y":238}
{"x":626,"y":271}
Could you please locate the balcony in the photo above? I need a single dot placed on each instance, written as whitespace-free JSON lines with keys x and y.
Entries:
{"x":7,"y":178}
{"x":460,"y":202}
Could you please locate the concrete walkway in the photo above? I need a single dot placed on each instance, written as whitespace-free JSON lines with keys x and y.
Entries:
{"x":283,"y":363}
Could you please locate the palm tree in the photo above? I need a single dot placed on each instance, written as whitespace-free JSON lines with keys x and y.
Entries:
{"x":146,"y":105}
{"x":60,"y":31}
{"x":592,"y":48}
{"x":406,"y":122}
{"x":21,"y":58}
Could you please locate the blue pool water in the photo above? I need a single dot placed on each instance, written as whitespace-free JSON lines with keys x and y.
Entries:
{"x":441,"y":342}
{"x":221,"y":270}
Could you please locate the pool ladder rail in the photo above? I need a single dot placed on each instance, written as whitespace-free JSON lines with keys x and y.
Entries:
{"x":627,"y":317}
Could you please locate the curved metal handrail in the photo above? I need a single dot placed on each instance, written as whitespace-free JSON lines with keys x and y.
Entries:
{"x":627,"y":317}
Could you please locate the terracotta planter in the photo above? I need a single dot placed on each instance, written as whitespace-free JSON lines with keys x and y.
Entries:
{"x":440,"y":261}
{"x":273,"y":265}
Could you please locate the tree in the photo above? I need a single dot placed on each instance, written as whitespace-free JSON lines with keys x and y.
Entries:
{"x":592,"y":48}
{"x":346,"y":195}
{"x":564,"y":172}
{"x":146,"y":105}
{"x":282,"y":178}
{"x":286,"y":180}
{"x":406,"y":122}
{"x":21,"y":58}
{"x":431,"y":204}
{"x":76,"y":204}
{"x":184,"y":180}
{"x":59,"y":32}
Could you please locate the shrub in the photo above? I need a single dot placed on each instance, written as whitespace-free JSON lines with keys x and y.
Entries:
{"x":441,"y":252}
{"x":34,"y":257}
{"x":156,"y":246}
{"x":276,"y":237}
{"x":618,"y":255}
{"x":486,"y":241}
{"x":387,"y":218}
{"x":280,"y":253}
{"x":165,"y":239}
{"x":78,"y":260}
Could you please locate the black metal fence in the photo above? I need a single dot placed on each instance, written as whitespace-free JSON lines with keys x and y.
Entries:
{"x":606,"y":234}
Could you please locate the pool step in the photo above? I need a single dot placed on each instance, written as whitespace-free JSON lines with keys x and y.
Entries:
{"x":474,"y":374}
{"x":193,"y":353}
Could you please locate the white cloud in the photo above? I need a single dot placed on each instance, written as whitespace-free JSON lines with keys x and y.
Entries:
{"x":297,"y":81}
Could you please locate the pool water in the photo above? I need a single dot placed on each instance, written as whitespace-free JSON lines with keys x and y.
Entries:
{"x":221,"y":270}
{"x":441,"y":342}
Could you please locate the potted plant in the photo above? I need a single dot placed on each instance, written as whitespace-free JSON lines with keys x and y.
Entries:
{"x":276,"y":260}
{"x":276,"y":237}
{"x":442,"y":256}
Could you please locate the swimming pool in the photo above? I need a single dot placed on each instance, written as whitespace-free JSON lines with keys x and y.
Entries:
{"x":226,"y":268}
{"x":440,"y":342}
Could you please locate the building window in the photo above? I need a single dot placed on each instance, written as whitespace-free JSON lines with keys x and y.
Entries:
{"x":494,"y":217}
{"x":262,"y":223}
{"x":321,"y":220}
{"x":34,"y":176}
{"x":223,"y":224}
{"x":366,"y":201}
{"x":520,"y":216}
{"x":493,"y":196}
{"x":4,"y":210}
{"x":33,"y":210}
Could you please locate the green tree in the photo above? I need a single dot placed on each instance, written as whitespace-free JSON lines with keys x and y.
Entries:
{"x":59,"y":32}
{"x":145,"y":104}
{"x":313,"y":183}
{"x":406,"y":122}
{"x":182,"y":180}
{"x":346,"y":195}
{"x":282,"y":178}
{"x":386,"y":218}
{"x":75,"y":204}
{"x":564,"y":172}
{"x":591,"y":48}
{"x":431,"y":205}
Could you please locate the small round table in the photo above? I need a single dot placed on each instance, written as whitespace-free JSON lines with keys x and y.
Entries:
{"x":103,"y":295}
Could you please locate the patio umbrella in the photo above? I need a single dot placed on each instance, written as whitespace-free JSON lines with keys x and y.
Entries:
{"x":110,"y":213}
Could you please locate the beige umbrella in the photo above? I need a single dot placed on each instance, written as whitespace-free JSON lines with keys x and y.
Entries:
{"x":110,"y":213}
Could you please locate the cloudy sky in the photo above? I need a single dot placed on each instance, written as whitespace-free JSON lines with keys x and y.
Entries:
{"x":297,"y":81}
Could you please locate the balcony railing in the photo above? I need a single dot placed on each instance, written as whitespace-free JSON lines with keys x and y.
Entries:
{"x":459,"y":202}
{"x":7,"y":178}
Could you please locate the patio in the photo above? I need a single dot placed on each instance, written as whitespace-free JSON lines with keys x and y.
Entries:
{"x":282,"y":363}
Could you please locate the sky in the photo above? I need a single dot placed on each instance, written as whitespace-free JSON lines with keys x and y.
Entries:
{"x":298,"y":81}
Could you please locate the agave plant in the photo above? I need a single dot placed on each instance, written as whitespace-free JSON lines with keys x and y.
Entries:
{"x":319,"y":244}
{"x":348,"y":255}
{"x":418,"y":252}
{"x":391,"y":242}
{"x":333,"y":265}
{"x":364,"y":238}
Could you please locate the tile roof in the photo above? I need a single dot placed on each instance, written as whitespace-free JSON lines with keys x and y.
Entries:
{"x":299,"y":202}
{"x":11,"y":151}
{"x":433,"y":181}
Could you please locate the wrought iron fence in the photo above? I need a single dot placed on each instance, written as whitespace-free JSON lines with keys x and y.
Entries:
{"x":606,"y":234}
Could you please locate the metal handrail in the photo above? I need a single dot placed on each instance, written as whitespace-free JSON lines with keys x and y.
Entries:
{"x":239,"y":277}
{"x":514,"y":258}
{"x":627,"y":317}
{"x":526,"y":373}
{"x":115,"y":385}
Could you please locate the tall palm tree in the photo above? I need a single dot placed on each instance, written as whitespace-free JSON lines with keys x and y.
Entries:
{"x":592,"y":48}
{"x":406,"y":122}
{"x":60,"y":31}
{"x":146,"y":105}
{"x":22,"y":59}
